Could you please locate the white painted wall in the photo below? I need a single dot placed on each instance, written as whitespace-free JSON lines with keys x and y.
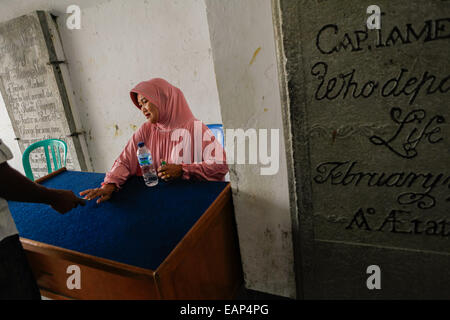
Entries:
{"x":249,"y":95}
{"x":121,"y":43}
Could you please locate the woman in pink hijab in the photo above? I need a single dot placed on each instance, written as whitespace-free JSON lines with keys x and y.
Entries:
{"x":172,"y":134}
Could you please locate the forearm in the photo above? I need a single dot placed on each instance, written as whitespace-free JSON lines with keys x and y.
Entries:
{"x":117,"y":176}
{"x":16,"y":187}
{"x":204,"y":171}
{"x":124,"y":166}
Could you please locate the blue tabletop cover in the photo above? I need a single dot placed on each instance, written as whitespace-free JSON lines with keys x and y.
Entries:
{"x":139,"y":226}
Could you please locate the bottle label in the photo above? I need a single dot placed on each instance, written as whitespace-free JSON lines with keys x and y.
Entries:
{"x":145,"y":160}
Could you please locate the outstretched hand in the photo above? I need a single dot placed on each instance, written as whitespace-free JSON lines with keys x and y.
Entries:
{"x":64,"y":200}
{"x":104,"y":193}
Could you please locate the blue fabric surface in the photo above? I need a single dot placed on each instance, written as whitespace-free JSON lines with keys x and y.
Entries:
{"x":139,"y":226}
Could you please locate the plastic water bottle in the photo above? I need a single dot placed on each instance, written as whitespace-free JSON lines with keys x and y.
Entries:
{"x":146,"y":163}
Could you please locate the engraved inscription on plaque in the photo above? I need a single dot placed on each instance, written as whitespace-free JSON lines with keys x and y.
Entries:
{"x":30,"y":90}
{"x":378,"y":114}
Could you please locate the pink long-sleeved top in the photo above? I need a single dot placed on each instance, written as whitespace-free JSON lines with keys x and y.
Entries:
{"x":178,"y":137}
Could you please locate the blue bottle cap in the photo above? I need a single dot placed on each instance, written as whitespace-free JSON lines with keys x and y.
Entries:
{"x":141,"y":144}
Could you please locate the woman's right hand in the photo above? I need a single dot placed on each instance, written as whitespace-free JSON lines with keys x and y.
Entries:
{"x":105,"y":193}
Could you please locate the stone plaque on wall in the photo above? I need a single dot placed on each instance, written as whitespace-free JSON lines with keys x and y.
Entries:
{"x":33,"y":88}
{"x":370,"y":122}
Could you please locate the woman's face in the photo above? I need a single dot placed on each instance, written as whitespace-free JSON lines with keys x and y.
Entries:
{"x":149,"y":110}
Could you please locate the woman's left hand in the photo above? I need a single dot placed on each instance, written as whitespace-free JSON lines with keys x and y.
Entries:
{"x":170,"y":171}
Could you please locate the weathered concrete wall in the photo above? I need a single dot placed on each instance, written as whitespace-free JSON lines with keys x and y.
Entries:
{"x":369,"y":113}
{"x":121,"y":43}
{"x":242,"y":40}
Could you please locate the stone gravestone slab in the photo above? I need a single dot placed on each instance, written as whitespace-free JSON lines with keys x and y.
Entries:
{"x":370,"y":123}
{"x":33,"y":89}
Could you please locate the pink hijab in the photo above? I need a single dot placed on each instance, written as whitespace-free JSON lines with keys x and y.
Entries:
{"x":174,"y":113}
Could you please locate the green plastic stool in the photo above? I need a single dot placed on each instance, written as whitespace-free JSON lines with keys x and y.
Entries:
{"x":55,"y":145}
